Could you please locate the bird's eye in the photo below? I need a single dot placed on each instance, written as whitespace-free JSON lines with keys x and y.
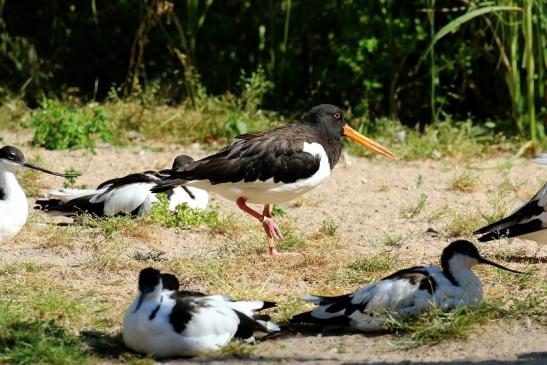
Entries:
{"x":336,"y":115}
{"x":11,"y":155}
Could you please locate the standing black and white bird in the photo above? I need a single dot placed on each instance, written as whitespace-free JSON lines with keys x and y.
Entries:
{"x":125,"y":195}
{"x":164,"y":322}
{"x":13,"y":202}
{"x":406,"y":292}
{"x":274,"y":166}
{"x":529,"y":222}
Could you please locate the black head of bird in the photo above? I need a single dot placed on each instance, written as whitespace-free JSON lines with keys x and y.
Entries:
{"x":464,"y":254}
{"x":182,"y":161}
{"x":150,"y":281}
{"x":12,"y":158}
{"x":330,"y":118}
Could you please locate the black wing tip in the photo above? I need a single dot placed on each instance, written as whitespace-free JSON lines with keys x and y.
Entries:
{"x":305,"y":317}
{"x":46,"y":204}
{"x":268,"y":305}
{"x":161,"y":188}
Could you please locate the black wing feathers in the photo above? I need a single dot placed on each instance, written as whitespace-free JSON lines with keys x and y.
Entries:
{"x":510,"y":226}
{"x":276,"y":154}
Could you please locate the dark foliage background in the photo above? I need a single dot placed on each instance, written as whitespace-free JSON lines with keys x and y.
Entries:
{"x":370,"y":55}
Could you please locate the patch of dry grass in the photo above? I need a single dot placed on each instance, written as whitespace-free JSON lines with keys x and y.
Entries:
{"x":464,"y":182}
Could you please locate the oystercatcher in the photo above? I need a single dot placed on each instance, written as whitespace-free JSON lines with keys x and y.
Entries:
{"x":166,"y":323}
{"x":13,"y":202}
{"x":529,"y":222}
{"x":406,"y":292}
{"x":274,"y":166}
{"x":125,"y":195}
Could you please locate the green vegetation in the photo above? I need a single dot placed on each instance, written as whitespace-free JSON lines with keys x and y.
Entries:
{"x":426,"y":63}
{"x":182,"y":216}
{"x":435,"y":326}
{"x":413,"y":211}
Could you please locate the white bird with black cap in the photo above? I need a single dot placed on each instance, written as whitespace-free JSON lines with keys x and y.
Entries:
{"x":406,"y":292}
{"x":13,"y":201}
{"x":125,"y":195}
{"x":165,"y":322}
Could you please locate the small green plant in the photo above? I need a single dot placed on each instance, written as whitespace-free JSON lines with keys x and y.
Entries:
{"x":328,"y":228}
{"x":462,"y":224}
{"x":70,"y":179}
{"x":278,"y":212}
{"x":392,"y":239}
{"x":413,"y":211}
{"x":237,"y":348}
{"x":182,"y":216}
{"x":464,"y":183}
{"x":375,"y":264}
{"x":57,"y":126}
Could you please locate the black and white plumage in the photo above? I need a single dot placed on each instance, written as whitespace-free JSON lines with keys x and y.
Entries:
{"x":125,"y":195}
{"x":13,"y":201}
{"x":165,"y":322}
{"x":529,"y":222}
{"x":406,"y":292}
{"x":274,"y":166}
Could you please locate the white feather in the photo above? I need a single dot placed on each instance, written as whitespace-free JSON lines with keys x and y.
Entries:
{"x":14,"y":206}
{"x":270,"y":192}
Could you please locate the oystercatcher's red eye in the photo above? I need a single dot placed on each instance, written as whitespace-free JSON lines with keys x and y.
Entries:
{"x":337,"y":115}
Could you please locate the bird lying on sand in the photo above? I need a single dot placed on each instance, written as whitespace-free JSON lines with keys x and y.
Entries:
{"x":165,"y":322}
{"x":13,"y":201}
{"x":406,"y":292}
{"x":125,"y":195}
{"x":274,"y":166}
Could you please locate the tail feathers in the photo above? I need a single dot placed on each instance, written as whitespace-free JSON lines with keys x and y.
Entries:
{"x":72,"y":207}
{"x":248,"y":326}
{"x":308,"y":317}
{"x":168,"y":184}
{"x":64,"y":195}
{"x":249,"y":307}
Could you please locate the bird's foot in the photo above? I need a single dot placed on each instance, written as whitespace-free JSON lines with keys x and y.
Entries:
{"x":271,"y":228}
{"x":274,"y":252}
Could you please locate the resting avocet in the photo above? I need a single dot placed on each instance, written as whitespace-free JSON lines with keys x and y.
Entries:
{"x":274,"y":166}
{"x":166,"y":323}
{"x":13,"y":202}
{"x":129,"y":194}
{"x":406,"y":292}
{"x":529,"y":222}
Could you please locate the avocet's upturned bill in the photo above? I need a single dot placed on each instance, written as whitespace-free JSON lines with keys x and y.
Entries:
{"x":406,"y":292}
{"x":165,"y":322}
{"x":274,"y":166}
{"x":13,"y":202}
{"x":125,"y":195}
{"x":529,"y":222}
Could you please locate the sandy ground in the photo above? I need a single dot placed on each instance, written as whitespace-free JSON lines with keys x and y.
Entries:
{"x":364,"y":197}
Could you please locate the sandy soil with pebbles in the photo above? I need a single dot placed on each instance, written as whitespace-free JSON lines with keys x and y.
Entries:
{"x":364,"y":197}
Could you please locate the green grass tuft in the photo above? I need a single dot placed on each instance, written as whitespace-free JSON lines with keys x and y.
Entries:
{"x":413,"y":211}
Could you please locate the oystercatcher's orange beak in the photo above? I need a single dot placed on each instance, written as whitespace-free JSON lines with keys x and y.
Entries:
{"x":367,"y":142}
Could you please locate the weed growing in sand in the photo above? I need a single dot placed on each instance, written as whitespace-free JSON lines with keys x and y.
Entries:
{"x":328,"y":228}
{"x":438,"y":214}
{"x":151,"y":255}
{"x":498,"y":208}
{"x":464,"y":183}
{"x":462,"y":224}
{"x":70,"y":179}
{"x":413,"y":211}
{"x":293,"y":239}
{"x":182,"y":216}
{"x":278,"y":212}
{"x":29,"y":178}
{"x":391,"y":239}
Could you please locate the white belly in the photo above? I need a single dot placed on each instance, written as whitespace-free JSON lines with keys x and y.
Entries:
{"x":13,"y":215}
{"x":270,"y":192}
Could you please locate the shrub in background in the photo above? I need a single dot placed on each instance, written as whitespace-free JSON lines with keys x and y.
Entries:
{"x":58,"y":126}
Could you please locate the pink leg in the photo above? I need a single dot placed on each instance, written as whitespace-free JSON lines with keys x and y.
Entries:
{"x":271,"y":229}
